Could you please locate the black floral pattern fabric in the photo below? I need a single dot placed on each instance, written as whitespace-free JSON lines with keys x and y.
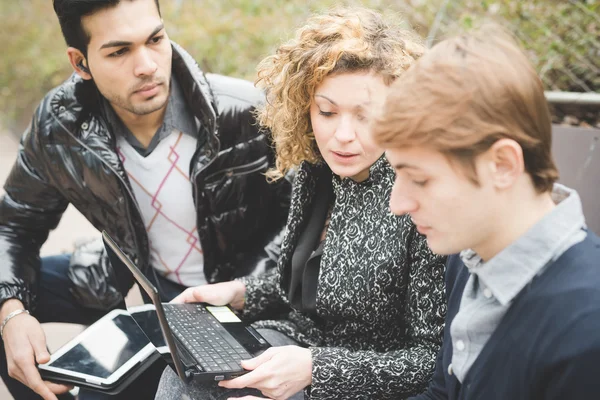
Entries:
{"x":380,"y":297}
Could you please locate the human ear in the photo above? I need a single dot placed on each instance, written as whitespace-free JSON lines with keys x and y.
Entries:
{"x":506,"y":162}
{"x":79,"y":63}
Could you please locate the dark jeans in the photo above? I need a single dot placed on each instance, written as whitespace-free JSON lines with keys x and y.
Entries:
{"x":57,"y":304}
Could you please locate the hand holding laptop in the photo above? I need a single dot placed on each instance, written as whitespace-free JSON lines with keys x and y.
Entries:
{"x":218,"y":294}
{"x":278,"y":373}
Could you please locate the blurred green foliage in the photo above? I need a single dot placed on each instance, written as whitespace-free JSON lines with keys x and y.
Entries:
{"x":562,"y":37}
{"x":231,"y":37}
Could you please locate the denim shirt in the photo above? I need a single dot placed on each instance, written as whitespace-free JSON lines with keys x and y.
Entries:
{"x":493,"y":285}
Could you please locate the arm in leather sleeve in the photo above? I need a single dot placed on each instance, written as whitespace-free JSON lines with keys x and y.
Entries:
{"x":273,"y":249}
{"x":93,"y":277}
{"x":342,"y":373}
{"x":30,"y":208}
{"x":237,"y":101}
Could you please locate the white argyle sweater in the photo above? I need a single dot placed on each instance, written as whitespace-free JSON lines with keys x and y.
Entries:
{"x":163,"y":190}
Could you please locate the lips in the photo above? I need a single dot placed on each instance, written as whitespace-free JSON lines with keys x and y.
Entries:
{"x":147,"y":88}
{"x":423,"y":229}
{"x":344,"y":154}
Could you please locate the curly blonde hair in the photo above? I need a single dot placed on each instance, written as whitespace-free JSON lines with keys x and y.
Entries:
{"x":342,"y":40}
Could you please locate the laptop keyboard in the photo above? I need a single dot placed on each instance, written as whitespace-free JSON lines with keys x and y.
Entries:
{"x":208,"y":341}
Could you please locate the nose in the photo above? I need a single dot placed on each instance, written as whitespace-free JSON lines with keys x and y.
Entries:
{"x":144,"y":63}
{"x":400,"y":202}
{"x":345,"y":131}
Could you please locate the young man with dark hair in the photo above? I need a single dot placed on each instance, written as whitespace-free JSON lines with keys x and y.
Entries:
{"x":166,"y":159}
{"x":477,"y":177}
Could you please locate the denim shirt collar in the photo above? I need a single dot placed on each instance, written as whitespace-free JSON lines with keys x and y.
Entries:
{"x":507,"y":273}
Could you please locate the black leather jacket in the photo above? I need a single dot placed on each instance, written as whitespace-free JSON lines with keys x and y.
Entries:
{"x":67,"y":155}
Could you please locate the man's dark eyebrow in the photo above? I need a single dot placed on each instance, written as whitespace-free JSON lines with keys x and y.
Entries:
{"x":155,"y":31}
{"x":121,"y":43}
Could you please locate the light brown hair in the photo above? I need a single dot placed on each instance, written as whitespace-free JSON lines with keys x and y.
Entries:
{"x":466,"y":93}
{"x":342,"y":40}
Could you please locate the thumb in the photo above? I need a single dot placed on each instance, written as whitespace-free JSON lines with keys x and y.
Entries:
{"x":38,"y":342}
{"x":255,"y":362}
{"x":189,"y":295}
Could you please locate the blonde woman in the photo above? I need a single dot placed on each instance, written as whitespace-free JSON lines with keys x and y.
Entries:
{"x":355,"y":308}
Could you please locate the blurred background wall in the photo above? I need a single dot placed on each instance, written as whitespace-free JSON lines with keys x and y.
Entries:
{"x":232,"y":36}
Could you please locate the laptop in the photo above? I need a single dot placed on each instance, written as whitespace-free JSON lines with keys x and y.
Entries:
{"x":206,"y":342}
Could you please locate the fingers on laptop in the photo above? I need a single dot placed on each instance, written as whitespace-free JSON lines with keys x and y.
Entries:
{"x":255,"y":378}
{"x":186,"y":296}
{"x":253,"y":363}
{"x":216,"y":294}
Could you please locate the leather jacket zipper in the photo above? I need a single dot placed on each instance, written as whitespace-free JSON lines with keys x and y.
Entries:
{"x":245,"y":169}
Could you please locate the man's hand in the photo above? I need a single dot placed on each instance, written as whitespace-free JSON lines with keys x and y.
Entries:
{"x":218,"y":294}
{"x":25,"y":343}
{"x":279,"y":372}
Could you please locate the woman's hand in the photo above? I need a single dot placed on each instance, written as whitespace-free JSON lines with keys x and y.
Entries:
{"x":278,"y":373}
{"x":219,"y":294}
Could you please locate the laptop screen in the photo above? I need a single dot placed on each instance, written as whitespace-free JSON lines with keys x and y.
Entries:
{"x":117,"y":257}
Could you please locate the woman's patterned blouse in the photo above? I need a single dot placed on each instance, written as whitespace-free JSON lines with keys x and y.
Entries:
{"x":380,"y":296}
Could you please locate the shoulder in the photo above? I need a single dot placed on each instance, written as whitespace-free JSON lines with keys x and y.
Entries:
{"x":565,"y":298}
{"x":61,"y":106}
{"x":236,"y":101}
{"x":575,"y":272}
{"x":234,"y":92}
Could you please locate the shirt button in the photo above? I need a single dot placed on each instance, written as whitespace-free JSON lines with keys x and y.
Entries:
{"x":487,"y":293}
{"x":450,"y":371}
{"x":460,"y":345}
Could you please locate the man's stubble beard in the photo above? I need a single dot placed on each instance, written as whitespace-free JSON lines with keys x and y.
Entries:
{"x":144,"y":108}
{"x":141,"y":109}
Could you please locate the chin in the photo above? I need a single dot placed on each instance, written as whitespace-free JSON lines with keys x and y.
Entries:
{"x":344,"y":171}
{"x":442,"y":248}
{"x":150,"y":106}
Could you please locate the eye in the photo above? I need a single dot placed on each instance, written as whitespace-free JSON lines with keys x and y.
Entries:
{"x":119,"y":52}
{"x":420,"y":183}
{"x":156,"y":39}
{"x":325,"y":113}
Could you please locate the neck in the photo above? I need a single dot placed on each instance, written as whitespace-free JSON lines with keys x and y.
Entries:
{"x":143,"y":127}
{"x":519,"y":216}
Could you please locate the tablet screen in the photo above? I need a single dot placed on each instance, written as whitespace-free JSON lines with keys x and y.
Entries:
{"x":105,"y":349}
{"x":147,"y":320}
